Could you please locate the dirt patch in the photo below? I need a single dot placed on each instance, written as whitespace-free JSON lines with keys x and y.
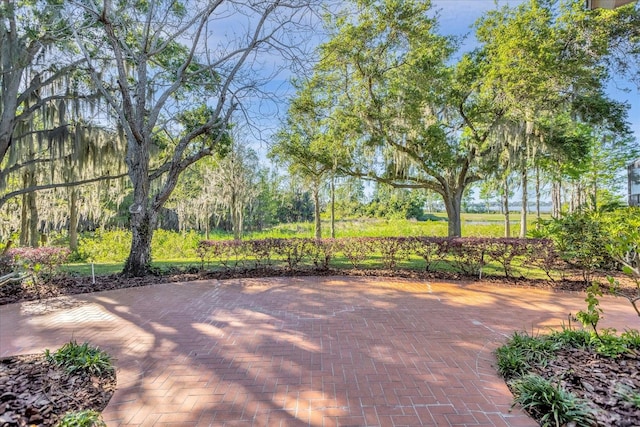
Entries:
{"x":35,"y":392}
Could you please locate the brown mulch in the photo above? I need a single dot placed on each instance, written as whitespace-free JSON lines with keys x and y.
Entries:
{"x":71,"y":285}
{"x":601,"y":381}
{"x":35,"y":392}
{"x":40,"y":394}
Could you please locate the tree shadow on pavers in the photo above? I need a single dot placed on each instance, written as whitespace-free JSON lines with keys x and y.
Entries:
{"x":363,"y":351}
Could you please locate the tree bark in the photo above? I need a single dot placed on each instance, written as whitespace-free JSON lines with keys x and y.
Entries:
{"x":24,"y":221}
{"x":525,"y":202}
{"x":505,"y":208}
{"x":139,"y":260}
{"x":333,"y":207}
{"x":453,"y":205}
{"x":538,"y":195}
{"x":34,"y":235}
{"x":316,"y":211}
{"x":73,"y":220}
{"x":143,"y":216}
{"x":556,"y":200}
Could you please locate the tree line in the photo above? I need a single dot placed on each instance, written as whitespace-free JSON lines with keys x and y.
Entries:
{"x":138,"y":111}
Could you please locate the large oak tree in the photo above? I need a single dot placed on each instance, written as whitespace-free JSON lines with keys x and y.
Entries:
{"x":407,"y":117}
{"x":154,"y":61}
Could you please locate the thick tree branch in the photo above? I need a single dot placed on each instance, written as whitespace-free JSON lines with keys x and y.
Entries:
{"x":5,"y":198}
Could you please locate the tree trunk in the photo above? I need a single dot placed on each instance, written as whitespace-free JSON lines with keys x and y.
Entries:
{"x":453,"y":204}
{"x":505,"y":208}
{"x":525,"y":203}
{"x":538,"y":195}
{"x":556,"y":200}
{"x":236,"y":216}
{"x":143,"y":217}
{"x":24,"y":221}
{"x":139,"y":261}
{"x":73,"y":220}
{"x":333,"y":208}
{"x":573,"y":200}
{"x":34,"y":235}
{"x":316,"y":211}
{"x":12,"y":76}
{"x":207,"y":223}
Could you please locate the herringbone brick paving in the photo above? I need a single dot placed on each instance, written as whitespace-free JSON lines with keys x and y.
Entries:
{"x":312,"y":351}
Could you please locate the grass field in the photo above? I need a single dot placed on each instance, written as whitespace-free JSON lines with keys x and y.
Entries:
{"x":108,"y":250}
{"x":473,"y":225}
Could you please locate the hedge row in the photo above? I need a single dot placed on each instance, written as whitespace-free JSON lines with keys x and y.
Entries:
{"x":34,"y":262}
{"x":467,"y":255}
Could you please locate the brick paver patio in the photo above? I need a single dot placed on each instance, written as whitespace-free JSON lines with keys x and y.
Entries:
{"x":312,"y":351}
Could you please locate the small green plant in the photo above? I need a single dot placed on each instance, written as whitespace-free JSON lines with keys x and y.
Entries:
{"x":623,"y":245}
{"x":607,"y":343}
{"x":632,"y":338}
{"x":629,"y":395}
{"x":522,"y":351}
{"x":591,"y":316}
{"x":550,"y":403}
{"x":569,"y":337}
{"x":86,"y":418}
{"x":81,"y":357}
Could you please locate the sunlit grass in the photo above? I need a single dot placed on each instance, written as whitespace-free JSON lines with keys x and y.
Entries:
{"x":178,"y":250}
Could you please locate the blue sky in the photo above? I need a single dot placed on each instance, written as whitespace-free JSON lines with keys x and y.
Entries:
{"x":457,"y":17}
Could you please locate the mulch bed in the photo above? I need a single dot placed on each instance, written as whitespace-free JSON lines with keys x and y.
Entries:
{"x":35,"y":392}
{"x":71,"y":285}
{"x":599,"y":380}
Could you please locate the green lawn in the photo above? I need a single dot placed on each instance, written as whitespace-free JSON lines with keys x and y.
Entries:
{"x":109,"y":249}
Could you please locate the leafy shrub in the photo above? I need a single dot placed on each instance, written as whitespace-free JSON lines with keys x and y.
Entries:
{"x":262,"y":250}
{"x":543,"y":254}
{"x":104,"y":246}
{"x":86,"y":418}
{"x":632,"y":338}
{"x":504,"y":251}
{"x":292,"y":250}
{"x":232,"y":253}
{"x":48,"y":258}
{"x":167,"y":244}
{"x":80,"y":357}
{"x":393,"y":248}
{"x":581,"y":241}
{"x":428,"y":248}
{"x":37,"y":263}
{"x":623,"y":231}
{"x":550,"y":403}
{"x":356,"y":249}
{"x":467,"y":253}
{"x":321,"y":252}
{"x":608,"y":344}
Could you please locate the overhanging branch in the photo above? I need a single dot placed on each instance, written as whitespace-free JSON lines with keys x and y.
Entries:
{"x":4,"y":199}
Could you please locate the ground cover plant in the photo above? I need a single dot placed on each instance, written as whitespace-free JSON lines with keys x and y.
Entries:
{"x":67,"y":387}
{"x":574,"y":376}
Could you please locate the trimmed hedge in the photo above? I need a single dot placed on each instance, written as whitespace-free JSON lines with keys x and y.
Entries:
{"x":464,"y":255}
